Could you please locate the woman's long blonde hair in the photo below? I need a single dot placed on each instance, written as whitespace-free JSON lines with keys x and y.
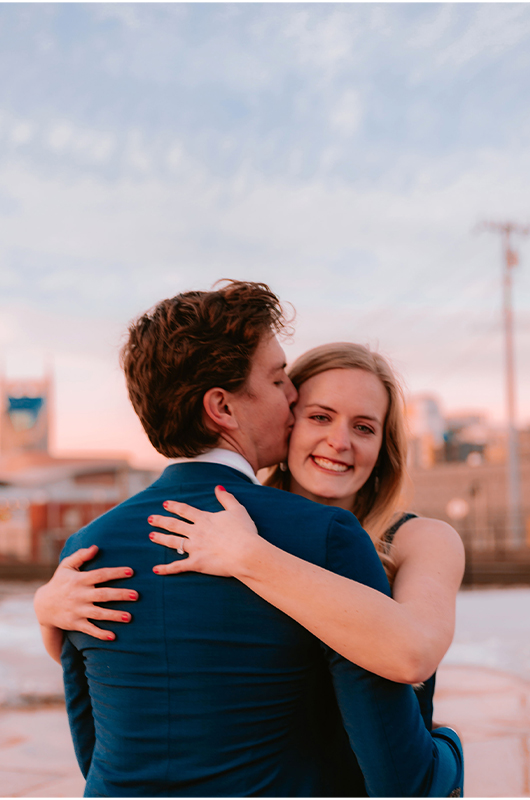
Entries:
{"x":377,"y":502}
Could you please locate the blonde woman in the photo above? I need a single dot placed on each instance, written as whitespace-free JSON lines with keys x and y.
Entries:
{"x":347,"y":449}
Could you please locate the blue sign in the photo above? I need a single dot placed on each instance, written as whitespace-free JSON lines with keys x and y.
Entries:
{"x":27,"y":408}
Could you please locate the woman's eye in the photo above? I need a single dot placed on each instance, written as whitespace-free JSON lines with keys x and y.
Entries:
{"x":319,"y":417}
{"x":364,"y":429}
{"x":279,"y":383}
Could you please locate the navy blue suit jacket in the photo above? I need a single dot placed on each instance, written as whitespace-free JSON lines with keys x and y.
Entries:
{"x":211,"y":691}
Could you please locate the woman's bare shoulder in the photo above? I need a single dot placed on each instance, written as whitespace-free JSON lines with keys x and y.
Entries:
{"x":429,"y":525}
{"x":420,"y":537}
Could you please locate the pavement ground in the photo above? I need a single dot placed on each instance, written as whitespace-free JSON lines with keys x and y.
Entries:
{"x":489,"y":709}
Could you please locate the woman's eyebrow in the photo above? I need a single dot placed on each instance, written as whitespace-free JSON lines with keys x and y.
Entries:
{"x":328,"y":408}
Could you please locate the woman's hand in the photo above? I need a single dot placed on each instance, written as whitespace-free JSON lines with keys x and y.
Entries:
{"x":216,"y":543}
{"x":67,"y":600}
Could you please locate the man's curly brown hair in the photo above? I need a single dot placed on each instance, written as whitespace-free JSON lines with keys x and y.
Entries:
{"x":187,"y":345}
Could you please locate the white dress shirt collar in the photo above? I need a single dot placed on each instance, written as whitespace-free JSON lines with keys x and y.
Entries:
{"x":226,"y":457}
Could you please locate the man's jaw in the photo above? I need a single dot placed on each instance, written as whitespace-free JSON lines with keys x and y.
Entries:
{"x":248,"y":449}
{"x":279,"y":457}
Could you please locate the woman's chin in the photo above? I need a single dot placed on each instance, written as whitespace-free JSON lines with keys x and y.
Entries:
{"x":345,"y":503}
{"x":325,"y":490}
{"x":330,"y":497}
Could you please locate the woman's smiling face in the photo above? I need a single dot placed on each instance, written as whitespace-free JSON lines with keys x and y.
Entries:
{"x":338,"y":431}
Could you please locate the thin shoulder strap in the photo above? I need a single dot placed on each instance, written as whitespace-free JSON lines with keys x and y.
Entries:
{"x":391,"y":532}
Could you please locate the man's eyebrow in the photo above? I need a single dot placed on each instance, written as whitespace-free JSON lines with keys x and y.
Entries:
{"x":279,"y":367}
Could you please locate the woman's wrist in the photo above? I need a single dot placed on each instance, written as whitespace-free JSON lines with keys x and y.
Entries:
{"x":47,"y":608}
{"x":41,"y":608}
{"x":251,"y":562}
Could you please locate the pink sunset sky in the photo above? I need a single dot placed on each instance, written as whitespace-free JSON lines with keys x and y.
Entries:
{"x":342,"y":153}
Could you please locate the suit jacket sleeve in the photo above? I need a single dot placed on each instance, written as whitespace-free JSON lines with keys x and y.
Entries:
{"x":78,"y":705}
{"x":77,"y":696}
{"x":398,"y":756}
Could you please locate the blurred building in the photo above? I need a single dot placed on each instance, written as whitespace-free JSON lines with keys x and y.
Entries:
{"x":437,"y":438}
{"x":44,"y":499}
{"x":426,"y":427}
{"x":464,"y":435}
{"x":25,"y":415}
{"x":472,"y":498}
{"x":457,"y":466}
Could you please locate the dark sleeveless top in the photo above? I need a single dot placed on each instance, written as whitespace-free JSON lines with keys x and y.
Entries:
{"x":424,"y":692}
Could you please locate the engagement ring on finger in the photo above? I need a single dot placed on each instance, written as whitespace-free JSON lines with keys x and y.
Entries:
{"x":180,"y":549}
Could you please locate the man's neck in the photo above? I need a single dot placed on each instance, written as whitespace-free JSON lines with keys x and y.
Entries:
{"x":227,"y":443}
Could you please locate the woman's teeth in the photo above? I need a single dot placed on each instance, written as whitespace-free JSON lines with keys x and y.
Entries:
{"x":334,"y":466}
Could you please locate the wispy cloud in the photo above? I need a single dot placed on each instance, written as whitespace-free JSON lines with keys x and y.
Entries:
{"x":341,"y":152}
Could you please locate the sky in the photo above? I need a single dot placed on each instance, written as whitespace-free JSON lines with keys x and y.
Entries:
{"x":342,"y":153}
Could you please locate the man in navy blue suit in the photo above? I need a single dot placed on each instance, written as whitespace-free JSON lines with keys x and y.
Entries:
{"x":211,"y":691}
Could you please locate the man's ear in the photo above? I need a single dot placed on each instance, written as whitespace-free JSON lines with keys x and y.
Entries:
{"x":220,"y":410}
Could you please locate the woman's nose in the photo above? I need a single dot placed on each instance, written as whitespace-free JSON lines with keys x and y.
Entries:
{"x":339,"y":438}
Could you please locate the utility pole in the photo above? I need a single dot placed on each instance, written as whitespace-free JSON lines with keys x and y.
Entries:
{"x":516,"y":535}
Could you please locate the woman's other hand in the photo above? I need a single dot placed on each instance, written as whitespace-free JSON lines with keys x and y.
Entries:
{"x":68,"y":600}
{"x":217,"y":543}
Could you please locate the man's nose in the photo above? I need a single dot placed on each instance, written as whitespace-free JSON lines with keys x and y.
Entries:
{"x":291,"y":392}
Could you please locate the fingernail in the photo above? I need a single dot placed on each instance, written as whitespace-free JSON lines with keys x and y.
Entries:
{"x":133,"y":595}
{"x":155,"y":569}
{"x":125,"y":618}
{"x":150,"y":520}
{"x":222,"y":488}
{"x":128,"y":572}
{"x":110,"y":637}
{"x":165,"y":504}
{"x":151,"y":535}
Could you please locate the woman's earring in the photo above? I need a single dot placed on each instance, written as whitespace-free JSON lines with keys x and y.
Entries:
{"x":376,"y":483}
{"x":283,"y":466}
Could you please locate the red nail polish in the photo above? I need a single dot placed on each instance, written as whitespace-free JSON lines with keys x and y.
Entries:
{"x":133,"y":596}
{"x":155,"y":569}
{"x":151,"y":535}
{"x":150,"y":520}
{"x":128,"y":572}
{"x":125,"y":618}
{"x":110,"y":637}
{"x":165,"y":504}
{"x":222,"y":488}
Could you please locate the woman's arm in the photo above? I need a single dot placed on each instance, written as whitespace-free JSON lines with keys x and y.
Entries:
{"x":402,"y":638}
{"x":66,"y":602}
{"x":53,"y":639}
